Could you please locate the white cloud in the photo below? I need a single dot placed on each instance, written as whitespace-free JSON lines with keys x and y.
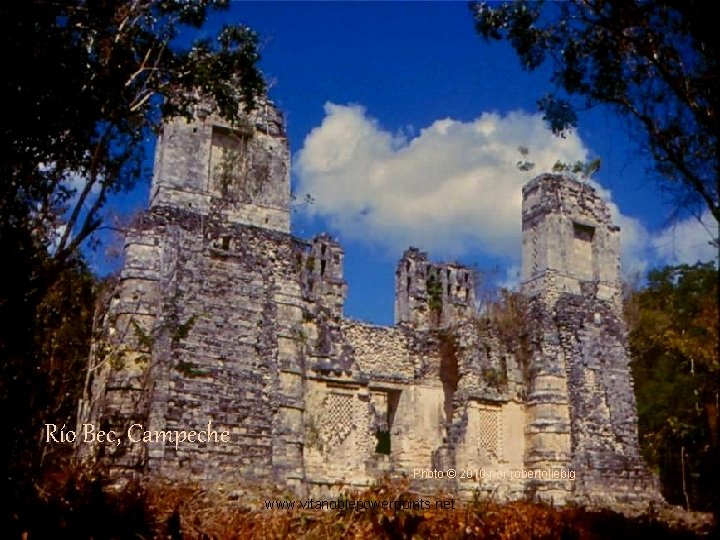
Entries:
{"x":454,"y":187}
{"x":687,"y":241}
{"x":451,"y":189}
{"x":636,"y":254}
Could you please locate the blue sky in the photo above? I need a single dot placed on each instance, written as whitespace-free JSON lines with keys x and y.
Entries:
{"x":403,"y":126}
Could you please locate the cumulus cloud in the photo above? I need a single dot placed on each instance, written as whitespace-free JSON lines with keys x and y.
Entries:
{"x":452,"y":189}
{"x":636,"y":253}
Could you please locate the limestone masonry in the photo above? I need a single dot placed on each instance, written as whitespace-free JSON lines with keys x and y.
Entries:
{"x":221,"y":316}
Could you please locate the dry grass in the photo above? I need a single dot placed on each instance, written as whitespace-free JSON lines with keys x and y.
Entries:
{"x":77,"y":507}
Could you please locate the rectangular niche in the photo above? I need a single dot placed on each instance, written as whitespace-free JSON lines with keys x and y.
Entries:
{"x":583,"y":232}
{"x":581,"y":261}
{"x":228,"y":161}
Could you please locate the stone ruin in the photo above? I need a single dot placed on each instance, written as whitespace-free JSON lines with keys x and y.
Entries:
{"x":221,"y":315}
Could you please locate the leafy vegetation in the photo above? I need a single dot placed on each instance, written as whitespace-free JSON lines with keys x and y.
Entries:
{"x":655,"y":63}
{"x":96,"y":79}
{"x":674,"y":344}
{"x":434,"y":294}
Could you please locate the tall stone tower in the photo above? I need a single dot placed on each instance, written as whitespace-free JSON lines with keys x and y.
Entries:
{"x":201,"y":326}
{"x":580,"y":405}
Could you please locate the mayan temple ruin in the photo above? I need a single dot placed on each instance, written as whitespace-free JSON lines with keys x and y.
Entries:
{"x":220,"y":316}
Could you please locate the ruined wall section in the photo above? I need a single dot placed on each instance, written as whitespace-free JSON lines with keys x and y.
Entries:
{"x":381,"y":351}
{"x":606,"y":454}
{"x":429,"y":295}
{"x":322,"y":277}
{"x":339,"y":435}
{"x":383,"y":397}
{"x":487,"y":422}
{"x":221,"y":356}
{"x":446,"y":398}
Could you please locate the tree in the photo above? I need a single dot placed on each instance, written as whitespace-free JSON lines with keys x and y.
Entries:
{"x":674,"y":346}
{"x":96,"y":79}
{"x":653,"y":62}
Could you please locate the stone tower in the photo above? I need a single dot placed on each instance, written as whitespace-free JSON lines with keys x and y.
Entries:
{"x":580,"y":405}
{"x":201,"y":326}
{"x":568,"y":239}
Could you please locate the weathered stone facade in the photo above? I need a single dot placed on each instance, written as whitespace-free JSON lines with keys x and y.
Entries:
{"x":221,"y":316}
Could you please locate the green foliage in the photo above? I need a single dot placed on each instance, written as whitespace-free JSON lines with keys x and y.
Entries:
{"x":115,"y":69}
{"x":583,"y":168}
{"x":312,"y":432}
{"x":299,"y":335}
{"x":182,"y":330}
{"x":190,"y":369}
{"x":310,"y":264}
{"x":655,"y":63}
{"x":62,"y":342}
{"x":494,"y":377}
{"x":96,"y":80}
{"x":434,"y":292}
{"x":674,"y":345}
{"x":508,"y":312}
{"x":42,"y":377}
{"x":144,"y":339}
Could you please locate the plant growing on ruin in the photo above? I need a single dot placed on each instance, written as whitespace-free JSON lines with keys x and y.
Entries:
{"x":581,"y":169}
{"x":181,"y":330}
{"x":494,"y":378}
{"x":312,"y":433}
{"x":434,"y":294}
{"x":190,"y":369}
{"x":299,"y":335}
{"x":310,"y":263}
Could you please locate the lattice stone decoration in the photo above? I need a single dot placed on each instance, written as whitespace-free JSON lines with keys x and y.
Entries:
{"x":489,"y":431}
{"x":337,"y":420}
